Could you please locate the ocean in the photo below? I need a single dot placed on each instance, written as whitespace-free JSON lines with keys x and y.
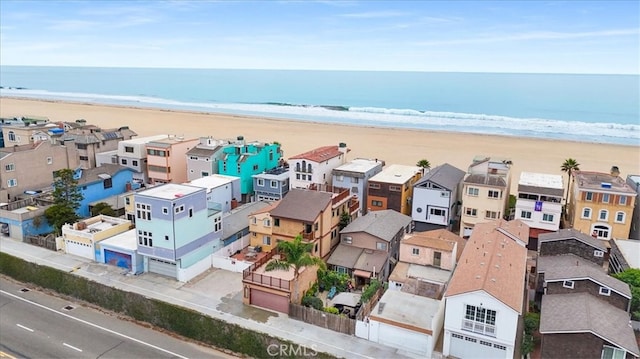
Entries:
{"x":587,"y":108}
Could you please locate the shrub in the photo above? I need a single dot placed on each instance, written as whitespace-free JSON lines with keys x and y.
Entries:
{"x":370,"y":290}
{"x":328,"y":279}
{"x":313,"y":302}
{"x":531,"y":322}
{"x":332,"y":310}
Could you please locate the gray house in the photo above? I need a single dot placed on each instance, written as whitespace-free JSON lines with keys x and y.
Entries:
{"x":355,"y":175}
{"x":202,"y":160}
{"x":571,"y":241}
{"x":370,"y":245}
{"x":271,"y":185}
{"x":436,"y":198}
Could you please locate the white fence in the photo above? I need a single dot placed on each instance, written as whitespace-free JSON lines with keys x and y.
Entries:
{"x":222,"y":258}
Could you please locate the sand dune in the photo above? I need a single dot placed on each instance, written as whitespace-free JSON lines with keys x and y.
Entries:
{"x":399,"y":146}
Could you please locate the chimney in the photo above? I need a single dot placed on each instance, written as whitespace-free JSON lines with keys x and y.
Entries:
{"x":342,"y":147}
{"x":615,"y":171}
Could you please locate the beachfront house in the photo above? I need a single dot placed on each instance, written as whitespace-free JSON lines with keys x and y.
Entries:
{"x":222,"y":190}
{"x":30,"y":167}
{"x":436,"y":198}
{"x":102,"y":182}
{"x":91,"y":140}
{"x":634,"y":183}
{"x":271,"y":185}
{"x":485,"y":192}
{"x":83,"y":238}
{"x":166,"y":159}
{"x":202,"y":160}
{"x":27,"y":130}
{"x":369,"y":246}
{"x":601,"y":204}
{"x":486,"y":297}
{"x":177,"y":229}
{"x":355,"y":175}
{"x":132,"y":153}
{"x":243,"y":160}
{"x":392,"y":188}
{"x":315,"y":166}
{"x":539,"y":203}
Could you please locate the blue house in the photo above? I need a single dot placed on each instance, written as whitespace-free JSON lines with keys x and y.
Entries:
{"x":271,"y":185}
{"x":102,"y":182}
{"x":23,"y":218}
{"x":177,"y":230}
{"x":244,"y":160}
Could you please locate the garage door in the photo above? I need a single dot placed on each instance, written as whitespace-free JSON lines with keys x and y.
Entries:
{"x":400,"y":338}
{"x":118,"y":259}
{"x":464,"y":346}
{"x":79,"y":249}
{"x":269,"y":301}
{"x":162,"y":267}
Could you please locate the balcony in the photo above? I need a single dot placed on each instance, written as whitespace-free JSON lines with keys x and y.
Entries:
{"x":477,"y":327}
{"x":256,"y":274}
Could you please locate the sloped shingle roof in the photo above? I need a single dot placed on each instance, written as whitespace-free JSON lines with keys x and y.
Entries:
{"x":570,"y":233}
{"x":383,"y":224}
{"x":302,"y":204}
{"x":445,"y":175}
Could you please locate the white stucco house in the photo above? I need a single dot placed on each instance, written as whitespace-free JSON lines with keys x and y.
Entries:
{"x":486,"y":299}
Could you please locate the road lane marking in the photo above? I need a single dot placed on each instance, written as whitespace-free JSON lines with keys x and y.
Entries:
{"x":94,"y":325}
{"x":5,"y":355}
{"x":25,"y":328}
{"x":72,"y":347}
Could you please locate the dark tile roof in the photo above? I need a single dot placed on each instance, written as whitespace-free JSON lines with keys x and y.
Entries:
{"x":302,"y":204}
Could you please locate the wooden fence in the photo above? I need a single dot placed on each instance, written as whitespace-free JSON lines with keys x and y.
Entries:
{"x":368,"y":306}
{"x":48,"y":241}
{"x":338,"y":323}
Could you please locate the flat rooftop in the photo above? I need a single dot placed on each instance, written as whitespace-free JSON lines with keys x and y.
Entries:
{"x":400,"y":307}
{"x":629,"y":249}
{"x":143,"y":140}
{"x":125,"y":240}
{"x":541,"y":180}
{"x":397,"y":174}
{"x":601,"y":181}
{"x":213,"y":181}
{"x":170,"y":191}
{"x":404,"y":271}
{"x":359,"y":165}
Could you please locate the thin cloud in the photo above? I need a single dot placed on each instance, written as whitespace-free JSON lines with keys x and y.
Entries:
{"x":374,"y":14}
{"x":71,"y":25}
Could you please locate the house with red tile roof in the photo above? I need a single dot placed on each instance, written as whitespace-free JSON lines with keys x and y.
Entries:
{"x":316,"y":166}
{"x":486,"y":296}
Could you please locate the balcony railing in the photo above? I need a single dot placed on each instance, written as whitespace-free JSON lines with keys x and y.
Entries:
{"x":477,"y":327}
{"x":249,"y":275}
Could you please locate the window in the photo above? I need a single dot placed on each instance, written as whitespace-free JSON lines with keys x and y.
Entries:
{"x":84,"y":158}
{"x":525,"y":214}
{"x":546,"y":217}
{"x":127,"y":200}
{"x":479,"y":320}
{"x":415,"y":251}
{"x":498,"y":346}
{"x":255,"y":167}
{"x":297,"y":176}
{"x":600,"y":232}
{"x":586,"y":213}
{"x":588,"y":196}
{"x":165,"y":210}
{"x":143,"y":211}
{"x":568,"y":284}
{"x":471,"y":212}
{"x":190,"y":212}
{"x":270,"y":155}
{"x":124,"y":161}
{"x":604,"y":214}
{"x":260,"y":182}
{"x":623,"y":200}
{"x":179,"y":209}
{"x":444,"y":194}
{"x":274,"y":184}
{"x":204,"y":174}
{"x":605,"y":198}
{"x":354,"y":179}
{"x":276,"y":222}
{"x":620,"y":217}
{"x":128,"y":149}
{"x":145,"y":238}
{"x":49,"y":160}
{"x":494,"y":194}
{"x":347,"y":240}
{"x":612,"y":353}
{"x":471,"y":191}
{"x":266,"y":222}
{"x":166,"y":238}
{"x":254,"y":220}
{"x":597,"y":253}
{"x":9,"y":167}
{"x":491,"y":214}
{"x":340,"y":178}
{"x":217,"y":224}
{"x":107,"y":183}
{"x":395,"y":188}
{"x":266,"y":240}
{"x":437,"y":212}
{"x":374,"y":185}
{"x":157,"y":153}
{"x":605,"y":291}
{"x":160,"y":169}
{"x":381,"y":246}
{"x":376,"y":203}
{"x":12,"y":136}
{"x":12,"y":182}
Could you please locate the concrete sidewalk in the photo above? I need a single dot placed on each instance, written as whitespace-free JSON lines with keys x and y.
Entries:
{"x":217,"y":293}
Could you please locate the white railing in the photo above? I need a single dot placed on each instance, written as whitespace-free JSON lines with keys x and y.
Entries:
{"x":477,"y":327}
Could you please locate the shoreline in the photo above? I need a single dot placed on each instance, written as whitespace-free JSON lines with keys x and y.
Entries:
{"x":393,"y":145}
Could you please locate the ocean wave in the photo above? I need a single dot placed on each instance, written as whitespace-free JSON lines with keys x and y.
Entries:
{"x":373,"y":116}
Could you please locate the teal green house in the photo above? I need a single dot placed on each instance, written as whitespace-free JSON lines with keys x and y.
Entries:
{"x":244,"y":160}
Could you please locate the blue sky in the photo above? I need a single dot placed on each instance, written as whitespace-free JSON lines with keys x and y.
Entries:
{"x":468,"y":36}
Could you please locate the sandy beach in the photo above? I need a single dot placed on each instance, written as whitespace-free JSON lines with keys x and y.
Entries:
{"x":399,"y":146}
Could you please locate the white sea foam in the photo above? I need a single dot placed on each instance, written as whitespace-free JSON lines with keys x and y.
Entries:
{"x":373,"y":116}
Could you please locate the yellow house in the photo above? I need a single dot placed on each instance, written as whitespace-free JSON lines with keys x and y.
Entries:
{"x":601,"y":204}
{"x":393,"y":188}
{"x":261,"y":228}
{"x":83,"y":238}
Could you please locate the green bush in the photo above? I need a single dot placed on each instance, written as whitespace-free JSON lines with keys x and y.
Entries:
{"x":313,"y":302}
{"x":312,"y":291}
{"x":370,"y":290}
{"x":528,"y":344}
{"x":531,"y":322}
{"x":328,"y":279}
{"x":332,"y":310}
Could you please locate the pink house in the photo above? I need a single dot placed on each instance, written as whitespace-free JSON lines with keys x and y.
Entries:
{"x":167,"y":159}
{"x":438,"y":248}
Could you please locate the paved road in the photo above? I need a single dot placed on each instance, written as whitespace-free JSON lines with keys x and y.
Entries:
{"x":36,"y":325}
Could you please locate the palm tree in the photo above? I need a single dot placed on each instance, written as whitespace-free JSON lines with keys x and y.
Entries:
{"x":569,"y":166}
{"x":297,"y":255}
{"x":424,"y":163}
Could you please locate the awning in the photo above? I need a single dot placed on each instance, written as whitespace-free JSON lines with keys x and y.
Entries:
{"x":361,"y":273}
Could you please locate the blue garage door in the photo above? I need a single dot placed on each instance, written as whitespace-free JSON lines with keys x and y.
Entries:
{"x":117,"y":259}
